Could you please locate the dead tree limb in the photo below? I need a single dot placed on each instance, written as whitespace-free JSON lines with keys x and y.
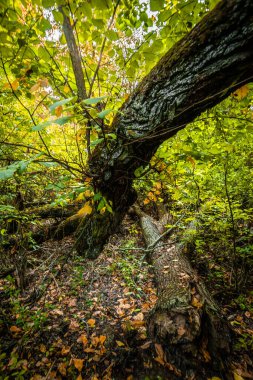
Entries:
{"x":186,"y":319}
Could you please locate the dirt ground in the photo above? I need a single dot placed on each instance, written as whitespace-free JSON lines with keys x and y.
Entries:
{"x":80,"y":319}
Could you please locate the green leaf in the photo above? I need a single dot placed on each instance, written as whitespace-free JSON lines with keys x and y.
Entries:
{"x":100,"y":4}
{"x":59,"y":121}
{"x":60,"y":103}
{"x":94,"y":100}
{"x":112,"y":35}
{"x":41,"y":126}
{"x":58,"y":16}
{"x":156,"y":5}
{"x":96,"y":142}
{"x":7,"y":173}
{"x":48,"y":3}
{"x":104,"y":113}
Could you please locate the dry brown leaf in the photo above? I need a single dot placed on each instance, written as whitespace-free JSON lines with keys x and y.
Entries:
{"x":57,"y":312}
{"x":78,"y":363}
{"x":160,"y":360}
{"x":137,"y":323}
{"x":62,"y":369}
{"x":181,"y":330}
{"x":15,"y":329}
{"x":146,"y":345}
{"x":43,"y":348}
{"x":96,"y":358}
{"x":89,"y":349}
{"x":159,"y":350}
{"x":72,"y":302}
{"x":138,"y":317}
{"x":65,"y":350}
{"x":74,"y":325}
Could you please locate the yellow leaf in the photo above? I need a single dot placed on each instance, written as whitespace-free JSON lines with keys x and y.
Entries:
{"x":62,"y":369}
{"x":43,"y":348}
{"x":196,"y":302}
{"x":241,"y":92}
{"x":65,"y":350}
{"x":237,"y":376}
{"x":119,"y":343}
{"x":58,"y":111}
{"x":66,"y":89}
{"x":80,"y":197}
{"x":88,"y":193}
{"x":15,"y":329}
{"x":91,"y":322}
{"x":78,"y":363}
{"x":146,"y":201}
{"x":102,"y":339}
{"x":85,"y":210}
{"x":82,"y":339}
{"x":15,"y":85}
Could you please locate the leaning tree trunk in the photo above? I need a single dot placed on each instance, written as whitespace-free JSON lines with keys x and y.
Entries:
{"x":185,"y":318}
{"x":201,"y":70}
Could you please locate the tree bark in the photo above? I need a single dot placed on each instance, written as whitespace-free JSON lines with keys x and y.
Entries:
{"x":201,"y":70}
{"x":185,"y":318}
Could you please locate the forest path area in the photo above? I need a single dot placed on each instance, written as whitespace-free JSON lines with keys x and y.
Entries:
{"x":90,"y":322}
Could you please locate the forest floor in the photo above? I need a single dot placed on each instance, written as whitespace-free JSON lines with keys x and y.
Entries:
{"x":90,"y":322}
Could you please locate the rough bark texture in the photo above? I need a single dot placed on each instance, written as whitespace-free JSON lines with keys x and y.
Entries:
{"x":202,"y":69}
{"x":185,"y":319}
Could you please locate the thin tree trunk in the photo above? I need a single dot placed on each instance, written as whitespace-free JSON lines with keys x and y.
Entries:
{"x":185,"y":319}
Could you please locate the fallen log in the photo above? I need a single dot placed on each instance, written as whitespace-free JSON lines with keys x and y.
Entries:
{"x":186,"y":320}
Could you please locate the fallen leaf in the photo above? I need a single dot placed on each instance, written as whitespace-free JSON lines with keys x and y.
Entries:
{"x":159,"y":350}
{"x":74,"y":325}
{"x":102,"y":339}
{"x":72,"y":302}
{"x":62,"y":369}
{"x":138,"y":317}
{"x":89,"y":349}
{"x":65,"y":350}
{"x":181,"y":330}
{"x":79,"y":377}
{"x":96,"y":358}
{"x":91,"y":322}
{"x":78,"y":363}
{"x":119,"y":343}
{"x":146,"y":345}
{"x":15,"y":329}
{"x":196,"y":303}
{"x":83,"y":339}
{"x":160,"y":360}
{"x":43,"y":348}
{"x":237,"y":376}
